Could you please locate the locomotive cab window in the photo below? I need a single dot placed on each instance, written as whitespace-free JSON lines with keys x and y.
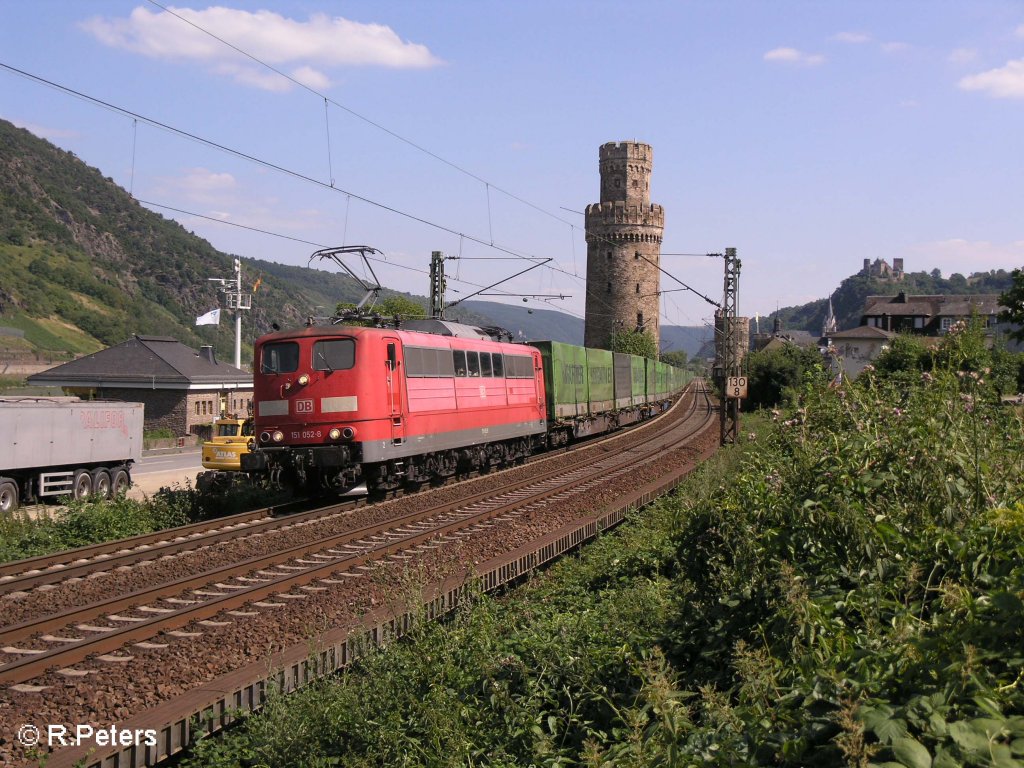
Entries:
{"x":334,"y":354}
{"x":280,"y":357}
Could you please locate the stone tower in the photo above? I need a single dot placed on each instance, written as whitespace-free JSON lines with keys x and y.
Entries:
{"x":623,"y":247}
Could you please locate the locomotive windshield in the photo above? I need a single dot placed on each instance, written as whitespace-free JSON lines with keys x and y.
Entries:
{"x":334,"y":355}
{"x":280,"y":357}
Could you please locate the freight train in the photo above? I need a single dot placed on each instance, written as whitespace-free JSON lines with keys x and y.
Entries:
{"x":340,"y":406}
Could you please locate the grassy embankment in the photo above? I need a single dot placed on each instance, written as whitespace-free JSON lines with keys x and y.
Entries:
{"x":845,"y":590}
{"x":80,"y":523}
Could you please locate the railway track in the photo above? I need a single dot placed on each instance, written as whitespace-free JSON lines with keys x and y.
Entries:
{"x":38,"y":653}
{"x":31,"y":573}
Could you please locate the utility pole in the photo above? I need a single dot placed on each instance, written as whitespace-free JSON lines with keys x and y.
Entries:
{"x":236,"y":300}
{"x":437,"y":285}
{"x":727,"y":373}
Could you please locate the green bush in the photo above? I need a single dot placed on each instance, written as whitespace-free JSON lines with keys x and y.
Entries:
{"x":844,"y":591}
{"x":87,"y":522}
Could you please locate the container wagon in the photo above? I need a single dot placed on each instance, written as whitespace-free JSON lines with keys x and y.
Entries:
{"x":66,"y":447}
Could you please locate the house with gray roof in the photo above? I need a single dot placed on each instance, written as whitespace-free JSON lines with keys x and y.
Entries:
{"x":183,"y":389}
{"x":928,"y":315}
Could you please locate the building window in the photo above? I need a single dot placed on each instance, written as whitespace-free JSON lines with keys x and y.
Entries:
{"x":918,"y":323}
{"x":947,"y":323}
{"x":197,"y":407}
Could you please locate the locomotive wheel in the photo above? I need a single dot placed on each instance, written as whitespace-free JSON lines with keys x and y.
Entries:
{"x":120,"y":482}
{"x":101,"y":483}
{"x":8,"y":497}
{"x":81,"y":486}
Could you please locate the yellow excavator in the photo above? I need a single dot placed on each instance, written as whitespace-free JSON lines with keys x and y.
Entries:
{"x":222,"y":453}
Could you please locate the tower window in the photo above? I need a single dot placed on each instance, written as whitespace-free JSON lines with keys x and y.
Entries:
{"x":609,"y":287}
{"x":638,"y":287}
{"x":639,"y":320}
{"x":636,"y":256}
{"x":635,"y":183}
{"x":609,"y":255}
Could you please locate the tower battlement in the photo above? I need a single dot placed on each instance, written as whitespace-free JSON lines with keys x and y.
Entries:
{"x":625,"y":150}
{"x":610,"y":214}
{"x":625,"y":172}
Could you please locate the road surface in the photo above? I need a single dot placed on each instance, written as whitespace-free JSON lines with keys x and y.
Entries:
{"x":154,"y":472}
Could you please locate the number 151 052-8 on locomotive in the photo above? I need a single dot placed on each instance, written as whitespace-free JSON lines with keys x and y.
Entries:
{"x":337,"y":406}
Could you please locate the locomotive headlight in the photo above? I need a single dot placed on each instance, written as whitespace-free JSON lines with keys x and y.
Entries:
{"x":303,"y":379}
{"x":334,"y":433}
{"x":278,"y":436}
{"x":264,"y":437}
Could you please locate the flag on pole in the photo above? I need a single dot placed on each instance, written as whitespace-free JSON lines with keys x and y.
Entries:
{"x":257,"y":284}
{"x":210,"y":318}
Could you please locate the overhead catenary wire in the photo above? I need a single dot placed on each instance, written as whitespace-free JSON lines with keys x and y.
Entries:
{"x":315,"y":244}
{"x":545,"y":261}
{"x":355,"y":114}
{"x":327,"y":100}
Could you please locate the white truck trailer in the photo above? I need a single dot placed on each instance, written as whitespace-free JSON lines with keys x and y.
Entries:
{"x":59,"y":446}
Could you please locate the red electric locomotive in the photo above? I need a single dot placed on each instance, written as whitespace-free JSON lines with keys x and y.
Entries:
{"x":337,"y":406}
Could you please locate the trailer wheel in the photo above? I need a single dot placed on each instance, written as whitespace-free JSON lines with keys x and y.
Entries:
{"x":81,"y":486}
{"x":101,"y":483}
{"x":8,"y":497}
{"x":120,"y":482}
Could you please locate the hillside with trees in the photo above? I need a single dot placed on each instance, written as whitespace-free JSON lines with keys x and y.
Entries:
{"x":848,"y":298}
{"x":83,"y":266}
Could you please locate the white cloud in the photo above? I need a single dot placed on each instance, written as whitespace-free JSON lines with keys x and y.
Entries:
{"x":793,"y":56}
{"x":910,"y":103}
{"x":962,"y":56}
{"x":895,"y":47}
{"x":44,"y":132}
{"x":304,"y":47}
{"x":1020,"y":31}
{"x":223,"y":197}
{"x":966,"y":256}
{"x":1006,"y":82}
{"x":312,"y":78}
{"x":199,"y":185}
{"x":852,"y":37}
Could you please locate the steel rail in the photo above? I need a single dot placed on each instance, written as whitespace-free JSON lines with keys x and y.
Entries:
{"x":30,"y":573}
{"x":33,"y":664}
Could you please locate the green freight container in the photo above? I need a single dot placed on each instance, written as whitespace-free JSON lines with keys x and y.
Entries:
{"x":639,"y":370}
{"x":662,"y":385}
{"x":623,"y":380}
{"x":651,"y":378}
{"x":565,"y":378}
{"x":601,"y":381}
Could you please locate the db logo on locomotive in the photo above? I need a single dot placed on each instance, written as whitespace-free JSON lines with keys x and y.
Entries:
{"x":303,"y":406}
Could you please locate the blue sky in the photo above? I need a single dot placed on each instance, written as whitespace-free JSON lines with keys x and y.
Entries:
{"x":808,"y":135}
